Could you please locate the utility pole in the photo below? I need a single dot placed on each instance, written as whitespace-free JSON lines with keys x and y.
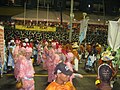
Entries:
{"x":61,"y":2}
{"x":71,"y":19}
{"x":25,"y":10}
{"x":103,"y":12}
{"x":37,"y":12}
{"x":47,"y":13}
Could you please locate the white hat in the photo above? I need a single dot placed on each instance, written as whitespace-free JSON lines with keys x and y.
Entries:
{"x":24,"y":44}
{"x":75,"y":45}
{"x":106,"y":56}
{"x":53,"y":44}
{"x":12,"y":41}
{"x":26,"y":39}
{"x":106,"y":53}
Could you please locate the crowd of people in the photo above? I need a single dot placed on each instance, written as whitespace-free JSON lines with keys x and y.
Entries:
{"x":59,"y":57}
{"x":97,"y":35}
{"x":50,"y":53}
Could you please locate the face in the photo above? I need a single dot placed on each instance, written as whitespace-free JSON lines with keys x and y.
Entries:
{"x":64,"y":77}
{"x":22,"y":52}
{"x":28,"y":54}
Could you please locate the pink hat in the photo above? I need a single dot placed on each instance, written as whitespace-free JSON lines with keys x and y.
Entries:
{"x":28,"y":49}
{"x":27,"y":45}
{"x":53,"y":44}
{"x":17,"y":41}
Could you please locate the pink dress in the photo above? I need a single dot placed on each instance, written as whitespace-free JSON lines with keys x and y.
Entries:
{"x":15,"y":53}
{"x":16,"y":57}
{"x":17,"y":66}
{"x":70,"y":56}
{"x":53,"y":60}
{"x":51,"y":65}
{"x":39,"y":60}
{"x":44,"y":57}
{"x":26,"y":73}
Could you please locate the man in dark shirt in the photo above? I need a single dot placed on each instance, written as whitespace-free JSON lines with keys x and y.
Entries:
{"x":105,"y":72}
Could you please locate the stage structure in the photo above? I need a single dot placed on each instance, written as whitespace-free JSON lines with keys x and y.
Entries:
{"x":54,"y":16}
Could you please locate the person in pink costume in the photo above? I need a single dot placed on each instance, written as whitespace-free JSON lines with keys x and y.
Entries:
{"x":21,"y":56}
{"x":54,"y":46}
{"x":16,"y":51}
{"x":69,"y":58}
{"x":44,"y":56}
{"x":26,"y":71}
{"x":16,"y":56}
{"x":40,"y":50}
{"x":61,"y":54}
{"x":53,"y":60}
{"x":51,"y":65}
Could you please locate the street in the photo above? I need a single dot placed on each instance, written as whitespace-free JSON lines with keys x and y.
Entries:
{"x":7,"y":82}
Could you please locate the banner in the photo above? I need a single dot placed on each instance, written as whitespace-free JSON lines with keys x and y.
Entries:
{"x":36,"y":28}
{"x":1,"y":48}
{"x":83,"y":29}
{"x":114,"y":34}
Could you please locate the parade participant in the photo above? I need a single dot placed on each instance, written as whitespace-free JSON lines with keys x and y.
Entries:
{"x":35,"y":53}
{"x":16,"y":57}
{"x":20,"y":57}
{"x":54,"y":46}
{"x":105,"y":72}
{"x":82,"y":48}
{"x":51,"y":65}
{"x":61,"y":81}
{"x":16,"y":50}
{"x":61,"y":54}
{"x":52,"y":60}
{"x":10,"y":55}
{"x":89,"y":65}
{"x":94,"y":50}
{"x":40,"y":51}
{"x":89,"y":47}
{"x":17,"y":70}
{"x":70,"y":60}
{"x":76,"y":59}
{"x":4,"y":66}
{"x":98,"y":48}
{"x":26,"y":71}
{"x":81,"y":52}
{"x":44,"y":55}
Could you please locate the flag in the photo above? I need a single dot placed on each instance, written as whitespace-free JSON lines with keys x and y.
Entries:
{"x":114,"y":34}
{"x":83,"y":29}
